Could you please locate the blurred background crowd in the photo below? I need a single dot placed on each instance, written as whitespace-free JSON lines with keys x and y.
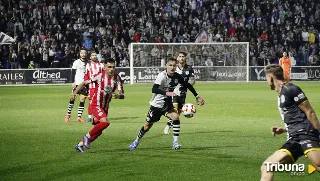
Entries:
{"x":50,"y":33}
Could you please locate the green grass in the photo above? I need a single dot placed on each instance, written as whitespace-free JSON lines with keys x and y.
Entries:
{"x":227,"y":140}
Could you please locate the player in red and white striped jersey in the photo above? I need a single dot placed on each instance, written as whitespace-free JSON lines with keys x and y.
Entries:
{"x":92,"y":68}
{"x":106,"y":82}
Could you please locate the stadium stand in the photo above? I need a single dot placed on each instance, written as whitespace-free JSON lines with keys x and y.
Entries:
{"x":50,"y":33}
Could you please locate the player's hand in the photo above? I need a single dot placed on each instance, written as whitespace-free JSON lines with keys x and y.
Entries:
{"x":115,"y":96}
{"x":73,"y":84}
{"x":277,"y":130}
{"x":73,"y":97}
{"x":170,"y":94}
{"x":200,"y":101}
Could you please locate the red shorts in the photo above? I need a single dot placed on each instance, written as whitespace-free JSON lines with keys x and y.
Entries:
{"x":91,"y":92}
{"x":98,"y":113}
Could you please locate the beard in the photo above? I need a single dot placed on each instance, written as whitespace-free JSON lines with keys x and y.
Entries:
{"x":272,"y":86}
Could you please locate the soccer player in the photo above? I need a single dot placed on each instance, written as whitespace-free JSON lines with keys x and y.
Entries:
{"x":301,"y":124}
{"x":186,"y":71}
{"x":80,"y":66}
{"x":285,"y":63}
{"x":92,"y":68}
{"x":107,"y":82}
{"x":161,"y":103}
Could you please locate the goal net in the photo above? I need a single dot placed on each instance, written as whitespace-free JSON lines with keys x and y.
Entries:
{"x":210,"y":61}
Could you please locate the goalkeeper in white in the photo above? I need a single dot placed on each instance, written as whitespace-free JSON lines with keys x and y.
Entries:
{"x":186,"y":71}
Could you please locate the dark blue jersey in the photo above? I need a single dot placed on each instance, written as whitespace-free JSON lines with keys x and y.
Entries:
{"x":186,"y":72}
{"x":289,"y":100}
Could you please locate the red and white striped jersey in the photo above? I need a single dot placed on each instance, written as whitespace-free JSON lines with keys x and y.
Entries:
{"x":105,"y":86}
{"x":92,"y":68}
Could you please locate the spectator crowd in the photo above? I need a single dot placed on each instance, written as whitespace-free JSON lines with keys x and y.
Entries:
{"x":50,"y":33}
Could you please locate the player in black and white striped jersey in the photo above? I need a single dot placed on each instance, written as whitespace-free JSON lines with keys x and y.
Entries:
{"x":187,"y":73}
{"x":80,"y":66}
{"x":161,"y":103}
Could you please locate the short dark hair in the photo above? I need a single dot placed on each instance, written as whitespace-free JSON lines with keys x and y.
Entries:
{"x":183,"y":52}
{"x":171,"y":59}
{"x":109,"y":60}
{"x":276,"y":70}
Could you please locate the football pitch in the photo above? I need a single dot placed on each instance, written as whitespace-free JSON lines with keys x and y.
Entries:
{"x":227,"y":140}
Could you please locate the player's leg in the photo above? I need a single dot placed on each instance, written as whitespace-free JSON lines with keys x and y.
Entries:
{"x":70,"y":106}
{"x":89,"y":112}
{"x":144,"y":129}
{"x":169,"y":123}
{"x":180,"y":101}
{"x":101,"y":122}
{"x":96,"y":131}
{"x":174,"y":116}
{"x":279,"y":156}
{"x":91,"y":92}
{"x":154,"y":115}
{"x":314,"y":157}
{"x":81,"y":107}
{"x":286,"y":75}
{"x":311,"y":147}
{"x":168,"y":126}
{"x":288,"y":153}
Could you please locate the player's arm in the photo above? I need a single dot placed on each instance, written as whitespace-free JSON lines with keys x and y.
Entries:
{"x":160,"y":81}
{"x":192,"y":79}
{"x":311,"y":115}
{"x":79,"y":87}
{"x":302,"y":101}
{"x":278,"y":130}
{"x":94,"y":78}
{"x":120,"y":89}
{"x":156,"y":90}
{"x":200,"y":101}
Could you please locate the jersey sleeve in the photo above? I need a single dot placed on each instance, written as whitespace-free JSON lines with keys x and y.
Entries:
{"x":120,"y":85}
{"x":297,"y":95}
{"x":75,"y":64}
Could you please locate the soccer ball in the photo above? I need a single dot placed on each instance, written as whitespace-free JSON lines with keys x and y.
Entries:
{"x":188,"y":110}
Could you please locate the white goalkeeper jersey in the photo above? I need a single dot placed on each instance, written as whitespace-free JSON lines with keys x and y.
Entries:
{"x":80,"y":67}
{"x":167,"y":84}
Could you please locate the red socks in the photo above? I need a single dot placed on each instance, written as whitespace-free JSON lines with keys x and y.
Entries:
{"x":93,"y":137}
{"x":98,"y":128}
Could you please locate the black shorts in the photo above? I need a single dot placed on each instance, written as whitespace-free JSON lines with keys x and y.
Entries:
{"x":180,"y":100}
{"x":301,"y":144}
{"x":155,"y":113}
{"x":84,"y":91}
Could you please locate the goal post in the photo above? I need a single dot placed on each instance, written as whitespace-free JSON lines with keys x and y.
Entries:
{"x":226,"y":61}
